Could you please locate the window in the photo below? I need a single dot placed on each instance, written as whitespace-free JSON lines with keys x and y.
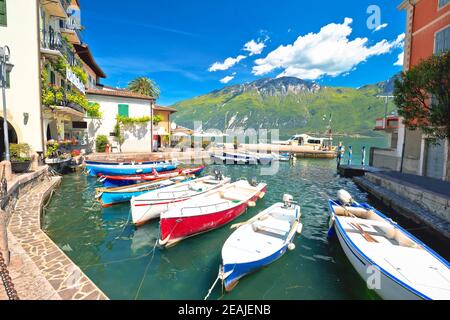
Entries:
{"x":443,"y":3}
{"x":3,"y":13}
{"x":442,"y":41}
{"x":52,"y":78}
{"x":123,"y":110}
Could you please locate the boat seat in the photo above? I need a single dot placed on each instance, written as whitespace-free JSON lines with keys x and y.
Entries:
{"x":229,"y":195}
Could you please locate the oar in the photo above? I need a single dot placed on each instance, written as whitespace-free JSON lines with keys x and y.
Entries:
{"x":366,"y":236}
{"x":255,"y":218}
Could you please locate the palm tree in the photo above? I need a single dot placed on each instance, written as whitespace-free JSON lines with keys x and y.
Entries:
{"x":145,"y":86}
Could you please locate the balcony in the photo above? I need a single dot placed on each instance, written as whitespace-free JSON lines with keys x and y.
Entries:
{"x":389,"y":123}
{"x":72,"y":30}
{"x":53,"y":44}
{"x":56,"y":8}
{"x":64,"y":102}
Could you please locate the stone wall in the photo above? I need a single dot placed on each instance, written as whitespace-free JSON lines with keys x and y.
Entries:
{"x":435,"y":203}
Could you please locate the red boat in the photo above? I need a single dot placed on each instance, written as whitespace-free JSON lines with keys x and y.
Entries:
{"x":118,"y":181}
{"x":209,"y":211}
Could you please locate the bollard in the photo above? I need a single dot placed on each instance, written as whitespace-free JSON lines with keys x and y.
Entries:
{"x":363,"y":156}
{"x":4,"y":249}
{"x":34,"y":161}
{"x":350,"y":155}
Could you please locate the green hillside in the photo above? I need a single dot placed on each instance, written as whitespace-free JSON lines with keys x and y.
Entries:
{"x":289,"y":104}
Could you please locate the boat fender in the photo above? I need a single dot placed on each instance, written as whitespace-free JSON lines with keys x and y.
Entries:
{"x":344,"y":197}
{"x":261,"y":195}
{"x":291,"y":246}
{"x":251,"y":204}
{"x":299,"y":228}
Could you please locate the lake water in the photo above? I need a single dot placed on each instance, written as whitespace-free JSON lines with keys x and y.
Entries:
{"x":122,"y":260}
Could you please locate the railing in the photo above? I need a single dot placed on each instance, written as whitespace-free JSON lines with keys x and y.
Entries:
{"x":73,"y":25}
{"x":53,"y":40}
{"x":66,"y":4}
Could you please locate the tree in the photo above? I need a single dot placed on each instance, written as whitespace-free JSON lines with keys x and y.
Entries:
{"x":118,"y":136}
{"x":422,"y":95}
{"x":144,"y":86}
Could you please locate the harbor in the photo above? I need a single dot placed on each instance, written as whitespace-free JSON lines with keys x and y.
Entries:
{"x":297,"y":156}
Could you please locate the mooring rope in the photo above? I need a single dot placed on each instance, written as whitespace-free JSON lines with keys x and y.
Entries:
{"x":212,"y":287}
{"x":146,"y":269}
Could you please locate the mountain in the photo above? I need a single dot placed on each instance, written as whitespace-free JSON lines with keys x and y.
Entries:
{"x":289,"y":104}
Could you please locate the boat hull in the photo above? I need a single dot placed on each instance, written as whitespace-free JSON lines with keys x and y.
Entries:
{"x":238,"y":271}
{"x":127,"y":180}
{"x":95,"y":170}
{"x":233,"y":161}
{"x":389,"y":289}
{"x":175,"y":229}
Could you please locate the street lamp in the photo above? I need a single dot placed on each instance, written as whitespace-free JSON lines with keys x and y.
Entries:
{"x":5,"y":68}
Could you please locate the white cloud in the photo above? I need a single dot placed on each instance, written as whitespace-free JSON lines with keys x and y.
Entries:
{"x":328,"y":52}
{"x":254,"y":47}
{"x":227,"y":64}
{"x":227,"y":79}
{"x":399,"y":62}
{"x":381,"y":26}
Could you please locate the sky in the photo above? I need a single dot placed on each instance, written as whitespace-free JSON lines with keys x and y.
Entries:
{"x":191,"y":47}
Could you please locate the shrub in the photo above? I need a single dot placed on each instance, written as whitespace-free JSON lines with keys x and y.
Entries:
{"x":20,"y":152}
{"x":100,"y":143}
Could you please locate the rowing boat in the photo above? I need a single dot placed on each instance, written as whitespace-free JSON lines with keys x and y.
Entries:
{"x":230,"y":159}
{"x":124,"y":180}
{"x":260,"y":241}
{"x":208,"y":211}
{"x":111,"y":196}
{"x":126,"y":169}
{"x":151,"y":204}
{"x":391,"y":260}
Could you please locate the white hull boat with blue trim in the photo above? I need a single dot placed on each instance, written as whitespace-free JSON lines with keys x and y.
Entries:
{"x":259,"y":241}
{"x":393,"y":262}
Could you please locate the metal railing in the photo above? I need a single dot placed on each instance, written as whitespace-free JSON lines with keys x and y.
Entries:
{"x":53,"y":40}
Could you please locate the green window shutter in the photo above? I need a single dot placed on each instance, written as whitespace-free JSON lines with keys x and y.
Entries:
{"x":123,"y":110}
{"x":3,"y":13}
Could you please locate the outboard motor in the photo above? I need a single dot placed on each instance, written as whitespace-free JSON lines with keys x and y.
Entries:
{"x":344,"y":197}
{"x":288,"y":200}
{"x":218,"y":175}
{"x":253,"y":182}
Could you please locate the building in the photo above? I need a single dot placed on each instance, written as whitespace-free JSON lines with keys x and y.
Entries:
{"x":118,"y":102}
{"x":427,"y":33}
{"x":19,"y":30}
{"x":46,"y":94}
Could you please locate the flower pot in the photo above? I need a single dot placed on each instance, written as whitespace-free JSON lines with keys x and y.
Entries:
{"x":20,"y":166}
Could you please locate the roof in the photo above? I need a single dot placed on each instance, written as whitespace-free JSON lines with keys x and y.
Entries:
{"x":161,"y":108}
{"x":119,"y":93}
{"x":85,"y":54}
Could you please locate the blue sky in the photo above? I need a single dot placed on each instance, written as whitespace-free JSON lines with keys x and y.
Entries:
{"x":183,"y":45}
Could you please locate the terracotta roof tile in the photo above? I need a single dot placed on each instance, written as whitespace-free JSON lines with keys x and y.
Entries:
{"x":161,"y":108}
{"x":119,"y":93}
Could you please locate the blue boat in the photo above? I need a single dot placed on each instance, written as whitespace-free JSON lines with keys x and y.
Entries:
{"x":126,"y":169}
{"x":111,"y":196}
{"x":109,"y":163}
{"x":259,"y":241}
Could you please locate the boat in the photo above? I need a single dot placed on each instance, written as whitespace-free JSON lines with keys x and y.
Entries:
{"x":127,"y":169}
{"x":308,"y":141}
{"x":151,"y":204}
{"x":234,"y":158}
{"x":263,"y":158}
{"x":125,"y":180}
{"x":107,"y":162}
{"x":260,"y":241}
{"x":111,"y":196}
{"x":281,"y":156}
{"x":208,"y":211}
{"x":378,"y":248}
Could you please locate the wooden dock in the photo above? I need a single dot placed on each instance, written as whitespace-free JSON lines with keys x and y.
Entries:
{"x":350,"y":171}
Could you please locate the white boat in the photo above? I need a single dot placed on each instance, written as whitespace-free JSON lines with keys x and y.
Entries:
{"x":230,"y":159}
{"x":150,"y":205}
{"x":260,"y":241}
{"x":392,"y":261}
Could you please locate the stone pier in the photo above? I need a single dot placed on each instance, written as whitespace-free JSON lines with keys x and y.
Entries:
{"x":39,"y":269}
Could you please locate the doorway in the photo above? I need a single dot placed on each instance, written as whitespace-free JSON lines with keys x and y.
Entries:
{"x":12,"y":135}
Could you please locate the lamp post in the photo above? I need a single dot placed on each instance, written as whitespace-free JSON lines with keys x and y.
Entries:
{"x":5,"y":68}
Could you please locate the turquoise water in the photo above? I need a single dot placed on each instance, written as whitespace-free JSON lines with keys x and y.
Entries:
{"x":122,"y":261}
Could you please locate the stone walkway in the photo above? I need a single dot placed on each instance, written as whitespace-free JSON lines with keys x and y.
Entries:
{"x":39,"y":269}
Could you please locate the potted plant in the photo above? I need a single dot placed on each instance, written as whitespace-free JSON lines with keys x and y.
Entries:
{"x":20,"y":157}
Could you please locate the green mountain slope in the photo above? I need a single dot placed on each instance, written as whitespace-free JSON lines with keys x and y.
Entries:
{"x":289,"y":104}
